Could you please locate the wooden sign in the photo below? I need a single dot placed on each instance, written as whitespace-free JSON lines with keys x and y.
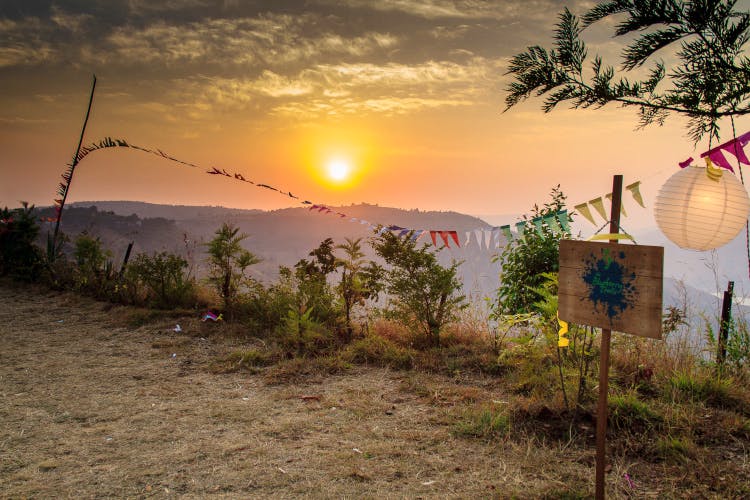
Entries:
{"x":617,"y":287}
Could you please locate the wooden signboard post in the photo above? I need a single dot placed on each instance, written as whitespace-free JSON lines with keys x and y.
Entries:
{"x":613,"y":287}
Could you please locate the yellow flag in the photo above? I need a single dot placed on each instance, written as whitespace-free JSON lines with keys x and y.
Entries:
{"x":562,"y":340}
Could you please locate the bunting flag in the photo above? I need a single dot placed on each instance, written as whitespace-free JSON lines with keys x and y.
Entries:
{"x":506,"y":231}
{"x":735,"y":147}
{"x":598,"y":204}
{"x":562,"y":218}
{"x":635,"y":191}
{"x":521,"y":228}
{"x":552,"y":224}
{"x":583,"y":209}
{"x":433,"y":235}
{"x":622,"y":205}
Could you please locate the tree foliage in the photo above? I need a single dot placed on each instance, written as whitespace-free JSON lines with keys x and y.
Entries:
{"x":710,"y":79}
{"x":166,"y":278}
{"x":228,"y":263}
{"x":427,"y":294}
{"x":526,"y":260}
{"x":359,"y":281}
{"x":20,"y":257}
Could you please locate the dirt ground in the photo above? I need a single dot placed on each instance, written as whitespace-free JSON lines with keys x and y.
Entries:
{"x":92,"y":408}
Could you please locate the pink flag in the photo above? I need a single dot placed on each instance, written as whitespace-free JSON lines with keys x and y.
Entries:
{"x":444,"y":236}
{"x":454,"y":235}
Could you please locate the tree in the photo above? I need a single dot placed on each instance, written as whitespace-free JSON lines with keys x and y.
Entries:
{"x":228,"y":262}
{"x":526,"y":260}
{"x":20,"y":257}
{"x":427,"y":293}
{"x":709,"y":81}
{"x":358,"y":281}
{"x":313,"y":290}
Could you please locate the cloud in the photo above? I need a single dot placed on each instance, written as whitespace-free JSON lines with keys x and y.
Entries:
{"x":269,"y":40}
{"x":23,"y":42}
{"x":342,"y":89}
{"x":458,"y":9}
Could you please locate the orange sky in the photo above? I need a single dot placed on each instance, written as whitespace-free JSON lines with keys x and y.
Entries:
{"x":409,"y":93}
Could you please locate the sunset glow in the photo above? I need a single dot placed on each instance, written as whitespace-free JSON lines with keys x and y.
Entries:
{"x":338,"y":170}
{"x":392,"y":103}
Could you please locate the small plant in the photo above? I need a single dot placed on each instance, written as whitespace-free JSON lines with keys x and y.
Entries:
{"x":228,"y":263}
{"x":380,"y":352}
{"x":675,"y":449}
{"x":485,"y":423}
{"x":711,"y":390}
{"x":630,"y":414}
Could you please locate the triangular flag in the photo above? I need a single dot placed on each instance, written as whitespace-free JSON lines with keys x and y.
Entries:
{"x":444,"y":236}
{"x":537,"y":221}
{"x":551,"y":221}
{"x":562,"y":218}
{"x":403,"y":233}
{"x":467,"y":237}
{"x":417,"y":234}
{"x":433,"y":234}
{"x":521,"y":228}
{"x":583,"y":209}
{"x":506,"y":231}
{"x":454,"y":235}
{"x":634,"y":189}
{"x":719,"y":159}
{"x":622,"y":205}
{"x":598,"y":204}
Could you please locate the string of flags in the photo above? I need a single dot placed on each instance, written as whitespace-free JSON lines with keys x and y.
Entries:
{"x":486,"y":238}
{"x":735,"y":147}
{"x":598,"y":204}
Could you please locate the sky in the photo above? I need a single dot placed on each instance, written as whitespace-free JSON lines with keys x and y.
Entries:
{"x":406,"y":97}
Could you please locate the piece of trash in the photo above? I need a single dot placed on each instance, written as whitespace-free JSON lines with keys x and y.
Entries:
{"x":357,"y":450}
{"x":281,"y":470}
{"x":629,"y":481}
{"x":108,"y":438}
{"x":213,"y":317}
{"x":174,"y":355}
{"x":428,"y":483}
{"x":177,"y":328}
{"x":60,"y":320}
{"x":245,"y":399}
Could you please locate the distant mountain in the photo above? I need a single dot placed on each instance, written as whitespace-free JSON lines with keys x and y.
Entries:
{"x":152,"y":210}
{"x":283,"y":237}
{"x":279,"y":237}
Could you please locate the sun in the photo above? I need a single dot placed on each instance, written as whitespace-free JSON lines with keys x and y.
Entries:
{"x":338,"y":170}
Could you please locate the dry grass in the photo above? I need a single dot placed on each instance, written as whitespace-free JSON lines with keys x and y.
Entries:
{"x":91,"y":407}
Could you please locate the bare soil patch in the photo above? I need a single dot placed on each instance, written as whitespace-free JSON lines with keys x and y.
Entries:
{"x":90,"y":407}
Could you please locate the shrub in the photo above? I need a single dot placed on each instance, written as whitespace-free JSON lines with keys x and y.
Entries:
{"x":94,"y":271}
{"x":166,"y":279}
{"x":20,"y":257}
{"x":426,"y":293}
{"x":380,"y":352}
{"x":708,"y":389}
{"x":527,"y":258}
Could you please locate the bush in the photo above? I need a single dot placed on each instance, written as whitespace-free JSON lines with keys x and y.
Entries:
{"x":20,"y":257}
{"x":166,"y":279}
{"x":380,"y":352}
{"x":94,"y":272}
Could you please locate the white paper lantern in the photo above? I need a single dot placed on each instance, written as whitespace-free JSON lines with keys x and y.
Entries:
{"x":699,"y":212}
